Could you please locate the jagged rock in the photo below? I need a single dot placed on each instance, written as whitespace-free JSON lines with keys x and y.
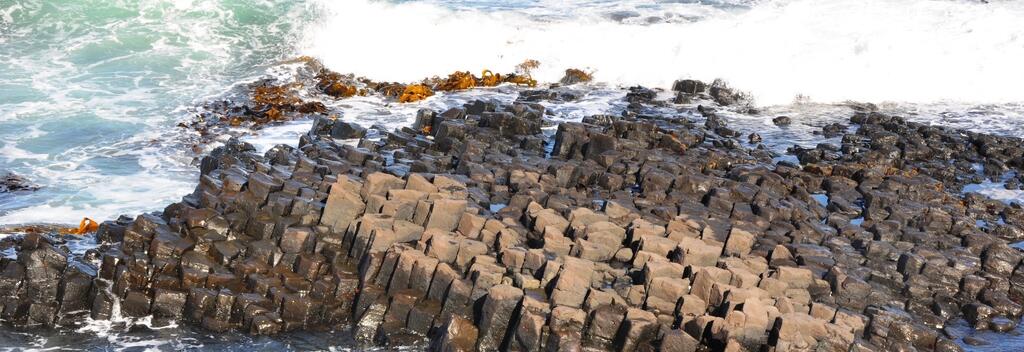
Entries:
{"x":635,"y":232}
{"x":343,"y":206}
{"x":11,"y":182}
{"x":347,"y":130}
{"x":501,"y":302}
{"x":566,"y":326}
{"x":782,"y":121}
{"x":458,"y":335}
{"x":573,"y":282}
{"x":723,"y":94}
{"x":689,"y":86}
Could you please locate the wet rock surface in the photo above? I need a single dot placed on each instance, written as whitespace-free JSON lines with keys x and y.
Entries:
{"x":11,"y":182}
{"x":310,"y":90}
{"x":473,"y":230}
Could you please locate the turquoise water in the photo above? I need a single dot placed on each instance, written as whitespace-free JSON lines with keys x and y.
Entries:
{"x":90,"y":92}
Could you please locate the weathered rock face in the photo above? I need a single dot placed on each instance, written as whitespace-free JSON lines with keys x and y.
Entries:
{"x":629,"y":234}
{"x":725,"y":96}
{"x":574,"y":76}
{"x":689,"y":86}
{"x":782,"y":121}
{"x":11,"y":182}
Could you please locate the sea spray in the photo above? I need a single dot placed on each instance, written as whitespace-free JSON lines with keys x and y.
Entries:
{"x":828,"y":51}
{"x":90,"y":92}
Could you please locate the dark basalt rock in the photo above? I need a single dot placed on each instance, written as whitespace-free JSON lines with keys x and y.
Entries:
{"x":640,"y":95}
{"x":631,"y":233}
{"x":11,"y":182}
{"x":347,"y":130}
{"x":975,"y":341}
{"x":689,"y":86}
{"x":833,"y":130}
{"x":724,"y":95}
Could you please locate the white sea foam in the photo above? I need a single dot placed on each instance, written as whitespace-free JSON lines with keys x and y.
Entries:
{"x":373,"y":110}
{"x":918,"y":51}
{"x":121,"y":75}
{"x":104,"y":197}
{"x":287,"y":134}
{"x":9,"y":253}
{"x":996,"y":191}
{"x":11,"y":152}
{"x":828,"y":50}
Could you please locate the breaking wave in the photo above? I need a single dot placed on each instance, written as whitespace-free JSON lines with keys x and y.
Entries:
{"x":826,"y":50}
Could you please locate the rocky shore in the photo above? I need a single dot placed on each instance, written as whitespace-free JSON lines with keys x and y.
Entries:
{"x":474,"y":230}
{"x":11,"y":182}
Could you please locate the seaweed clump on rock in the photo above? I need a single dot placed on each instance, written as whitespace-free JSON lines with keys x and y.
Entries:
{"x":271,"y":101}
{"x":574,"y":76}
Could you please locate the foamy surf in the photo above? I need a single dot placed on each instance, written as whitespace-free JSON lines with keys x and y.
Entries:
{"x":90,"y":92}
{"x":822,"y":51}
{"x":827,"y":51}
{"x":997,"y":191}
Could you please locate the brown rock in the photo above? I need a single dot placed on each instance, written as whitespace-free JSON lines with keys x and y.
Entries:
{"x":342,"y":208}
{"x":445,"y":214}
{"x":379,"y":183}
{"x":498,"y":307}
{"x":457,"y":335}
{"x":573,"y":283}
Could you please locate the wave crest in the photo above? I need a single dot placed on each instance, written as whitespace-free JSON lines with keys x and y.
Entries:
{"x":827,"y":50}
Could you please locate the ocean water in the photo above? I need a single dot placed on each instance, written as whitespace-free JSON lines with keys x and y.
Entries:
{"x":91,"y":90}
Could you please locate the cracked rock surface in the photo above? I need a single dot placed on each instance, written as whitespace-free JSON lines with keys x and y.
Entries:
{"x":622,"y":233}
